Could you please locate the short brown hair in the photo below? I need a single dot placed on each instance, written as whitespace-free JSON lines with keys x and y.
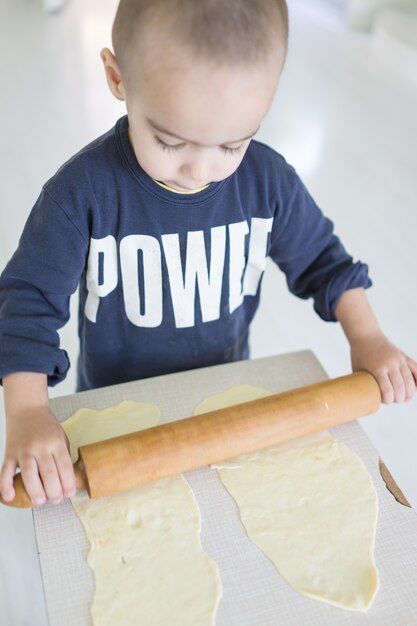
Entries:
{"x":235,"y":31}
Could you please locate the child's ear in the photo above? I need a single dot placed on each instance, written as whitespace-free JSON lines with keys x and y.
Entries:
{"x":114,"y":78}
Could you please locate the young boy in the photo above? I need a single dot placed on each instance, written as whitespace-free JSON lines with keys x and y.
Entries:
{"x":165,"y":223}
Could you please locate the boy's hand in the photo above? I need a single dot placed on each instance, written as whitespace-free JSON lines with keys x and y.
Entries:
{"x":38,"y":445}
{"x":395,"y":372}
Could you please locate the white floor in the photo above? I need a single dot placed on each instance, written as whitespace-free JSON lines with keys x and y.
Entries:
{"x":346,"y":123}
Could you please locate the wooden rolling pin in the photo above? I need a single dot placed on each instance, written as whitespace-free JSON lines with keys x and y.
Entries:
{"x":131,"y":460}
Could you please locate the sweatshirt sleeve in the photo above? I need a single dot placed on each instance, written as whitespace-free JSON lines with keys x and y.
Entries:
{"x":315,"y":263}
{"x":35,"y":289}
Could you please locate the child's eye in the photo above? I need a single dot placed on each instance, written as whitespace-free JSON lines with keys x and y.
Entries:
{"x":232,"y":151}
{"x":166,"y":146}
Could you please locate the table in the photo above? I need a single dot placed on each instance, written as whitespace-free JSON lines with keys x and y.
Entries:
{"x":254,"y":594}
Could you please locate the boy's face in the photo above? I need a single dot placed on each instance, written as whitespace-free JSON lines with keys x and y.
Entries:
{"x":190,"y":123}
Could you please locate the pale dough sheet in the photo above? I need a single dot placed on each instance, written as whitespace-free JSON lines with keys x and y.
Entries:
{"x":148,"y":563}
{"x":311,"y":506}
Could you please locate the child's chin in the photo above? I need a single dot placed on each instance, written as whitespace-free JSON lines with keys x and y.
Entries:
{"x":179,"y":187}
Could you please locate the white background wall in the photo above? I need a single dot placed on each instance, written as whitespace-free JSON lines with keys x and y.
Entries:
{"x":361,"y":13}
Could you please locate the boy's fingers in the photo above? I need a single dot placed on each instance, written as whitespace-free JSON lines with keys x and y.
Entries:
{"x":31,"y":480}
{"x":66,"y":473}
{"x":50,"y":478}
{"x":386,"y":389}
{"x":410,"y":385}
{"x":398,"y":385}
{"x":413,"y":369}
{"x":6,"y":479}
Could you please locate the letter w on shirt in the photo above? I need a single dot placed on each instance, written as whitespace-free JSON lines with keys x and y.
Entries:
{"x":183,"y":284}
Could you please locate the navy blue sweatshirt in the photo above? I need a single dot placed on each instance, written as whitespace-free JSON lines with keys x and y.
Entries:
{"x":167,"y":281}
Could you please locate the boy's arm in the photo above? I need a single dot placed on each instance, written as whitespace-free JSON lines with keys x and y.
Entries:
{"x":395,"y":372}
{"x":35,"y":442}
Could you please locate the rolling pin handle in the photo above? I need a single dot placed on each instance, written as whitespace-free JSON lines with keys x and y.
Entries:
{"x":22,"y":500}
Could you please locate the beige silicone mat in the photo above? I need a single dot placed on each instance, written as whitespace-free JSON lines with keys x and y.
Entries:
{"x":254,"y":594}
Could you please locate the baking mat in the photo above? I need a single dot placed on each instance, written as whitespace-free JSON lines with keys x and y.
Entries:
{"x":254,"y":594}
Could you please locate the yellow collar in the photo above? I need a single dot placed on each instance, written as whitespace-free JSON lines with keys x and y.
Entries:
{"x":177,"y":190}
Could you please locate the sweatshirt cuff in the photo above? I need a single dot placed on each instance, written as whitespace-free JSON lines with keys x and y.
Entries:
{"x":25,"y":355}
{"x":351,"y":277}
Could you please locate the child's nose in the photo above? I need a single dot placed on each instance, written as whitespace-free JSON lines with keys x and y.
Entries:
{"x":196,"y":170}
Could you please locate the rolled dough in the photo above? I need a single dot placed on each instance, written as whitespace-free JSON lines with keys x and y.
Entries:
{"x":148,"y":564}
{"x":91,"y":425}
{"x":311,"y":506}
